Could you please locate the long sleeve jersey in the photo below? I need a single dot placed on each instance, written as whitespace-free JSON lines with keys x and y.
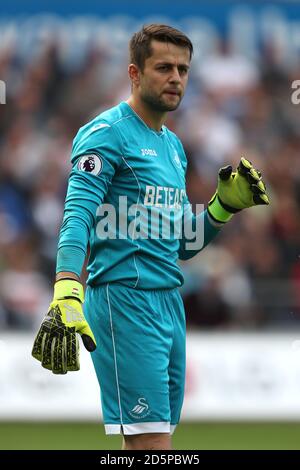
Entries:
{"x":127,"y":201}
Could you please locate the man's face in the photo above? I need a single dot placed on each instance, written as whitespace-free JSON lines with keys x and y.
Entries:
{"x":164,"y":78}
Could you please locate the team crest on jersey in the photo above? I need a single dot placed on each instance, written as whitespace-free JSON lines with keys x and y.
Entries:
{"x":90,"y":164}
{"x":176,"y":160}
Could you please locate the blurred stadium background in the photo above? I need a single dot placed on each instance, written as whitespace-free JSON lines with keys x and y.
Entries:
{"x":64,"y":63}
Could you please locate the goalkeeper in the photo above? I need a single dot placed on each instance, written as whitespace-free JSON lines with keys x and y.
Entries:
{"x":133,"y":321}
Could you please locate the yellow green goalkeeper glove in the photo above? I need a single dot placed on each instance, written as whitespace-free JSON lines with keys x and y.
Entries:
{"x":56,"y":345}
{"x":236,"y":191}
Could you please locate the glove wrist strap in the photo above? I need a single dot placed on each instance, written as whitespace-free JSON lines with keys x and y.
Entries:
{"x":68,"y":288}
{"x":217,"y":211}
{"x":228,"y":208}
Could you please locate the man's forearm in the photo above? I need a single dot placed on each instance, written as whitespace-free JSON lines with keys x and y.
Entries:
{"x":208,"y":232}
{"x":70,"y":262}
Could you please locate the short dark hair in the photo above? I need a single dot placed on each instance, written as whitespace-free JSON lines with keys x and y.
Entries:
{"x":140,"y":43}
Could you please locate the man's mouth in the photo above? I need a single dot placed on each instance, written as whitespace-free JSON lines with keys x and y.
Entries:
{"x":173,"y":92}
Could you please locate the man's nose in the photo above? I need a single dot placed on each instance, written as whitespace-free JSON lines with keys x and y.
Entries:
{"x":175,"y":76}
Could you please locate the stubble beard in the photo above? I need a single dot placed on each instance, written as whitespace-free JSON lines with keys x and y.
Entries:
{"x":157,"y":103}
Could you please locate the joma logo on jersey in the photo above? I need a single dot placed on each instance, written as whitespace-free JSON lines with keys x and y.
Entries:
{"x":150,"y":152}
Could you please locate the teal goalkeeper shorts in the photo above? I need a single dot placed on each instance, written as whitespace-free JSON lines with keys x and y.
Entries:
{"x":140,"y":356}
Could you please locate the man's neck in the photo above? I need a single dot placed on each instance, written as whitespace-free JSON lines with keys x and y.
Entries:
{"x":152,"y":119}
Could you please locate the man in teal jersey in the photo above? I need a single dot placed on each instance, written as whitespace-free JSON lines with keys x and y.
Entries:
{"x":127,"y":201}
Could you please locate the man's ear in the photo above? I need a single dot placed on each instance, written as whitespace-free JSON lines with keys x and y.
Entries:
{"x":134,"y":74}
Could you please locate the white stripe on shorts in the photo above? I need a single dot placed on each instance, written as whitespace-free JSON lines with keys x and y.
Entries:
{"x":140,"y":428}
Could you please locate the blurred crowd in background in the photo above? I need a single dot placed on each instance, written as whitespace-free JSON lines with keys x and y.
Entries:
{"x":249,"y":278}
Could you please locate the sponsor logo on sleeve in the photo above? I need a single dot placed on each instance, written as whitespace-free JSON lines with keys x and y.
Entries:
{"x":90,"y":164}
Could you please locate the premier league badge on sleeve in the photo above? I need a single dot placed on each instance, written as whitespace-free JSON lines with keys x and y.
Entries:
{"x":90,"y":164}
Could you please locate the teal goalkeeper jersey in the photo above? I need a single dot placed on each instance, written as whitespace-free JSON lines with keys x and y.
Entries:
{"x":127,"y":201}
